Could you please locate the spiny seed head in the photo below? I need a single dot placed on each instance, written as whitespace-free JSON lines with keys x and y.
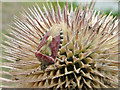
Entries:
{"x":87,"y":55}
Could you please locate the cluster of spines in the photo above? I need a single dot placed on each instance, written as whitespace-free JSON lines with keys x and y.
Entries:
{"x":40,"y":31}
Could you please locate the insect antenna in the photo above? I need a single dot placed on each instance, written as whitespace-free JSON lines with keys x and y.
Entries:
{"x":43,"y":34}
{"x":61,"y":38}
{"x":38,"y":69}
{"x":68,"y":43}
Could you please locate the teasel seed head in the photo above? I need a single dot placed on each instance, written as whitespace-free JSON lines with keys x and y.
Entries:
{"x":87,"y":56}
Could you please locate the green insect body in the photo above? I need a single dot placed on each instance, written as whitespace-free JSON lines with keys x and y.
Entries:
{"x":46,"y":48}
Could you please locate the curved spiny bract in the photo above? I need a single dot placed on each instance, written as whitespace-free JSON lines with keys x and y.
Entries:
{"x":88,"y":50}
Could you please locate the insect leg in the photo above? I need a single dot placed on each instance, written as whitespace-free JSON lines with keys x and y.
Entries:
{"x":61,"y":60}
{"x":68,"y":43}
{"x":33,"y":71}
{"x":43,"y":34}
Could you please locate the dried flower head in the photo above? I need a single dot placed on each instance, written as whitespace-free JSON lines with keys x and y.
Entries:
{"x":66,"y":48}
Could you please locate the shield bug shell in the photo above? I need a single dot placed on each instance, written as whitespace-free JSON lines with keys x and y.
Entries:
{"x":49,"y":46}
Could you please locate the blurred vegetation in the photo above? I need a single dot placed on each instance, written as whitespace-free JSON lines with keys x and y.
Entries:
{"x":114,"y":13}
